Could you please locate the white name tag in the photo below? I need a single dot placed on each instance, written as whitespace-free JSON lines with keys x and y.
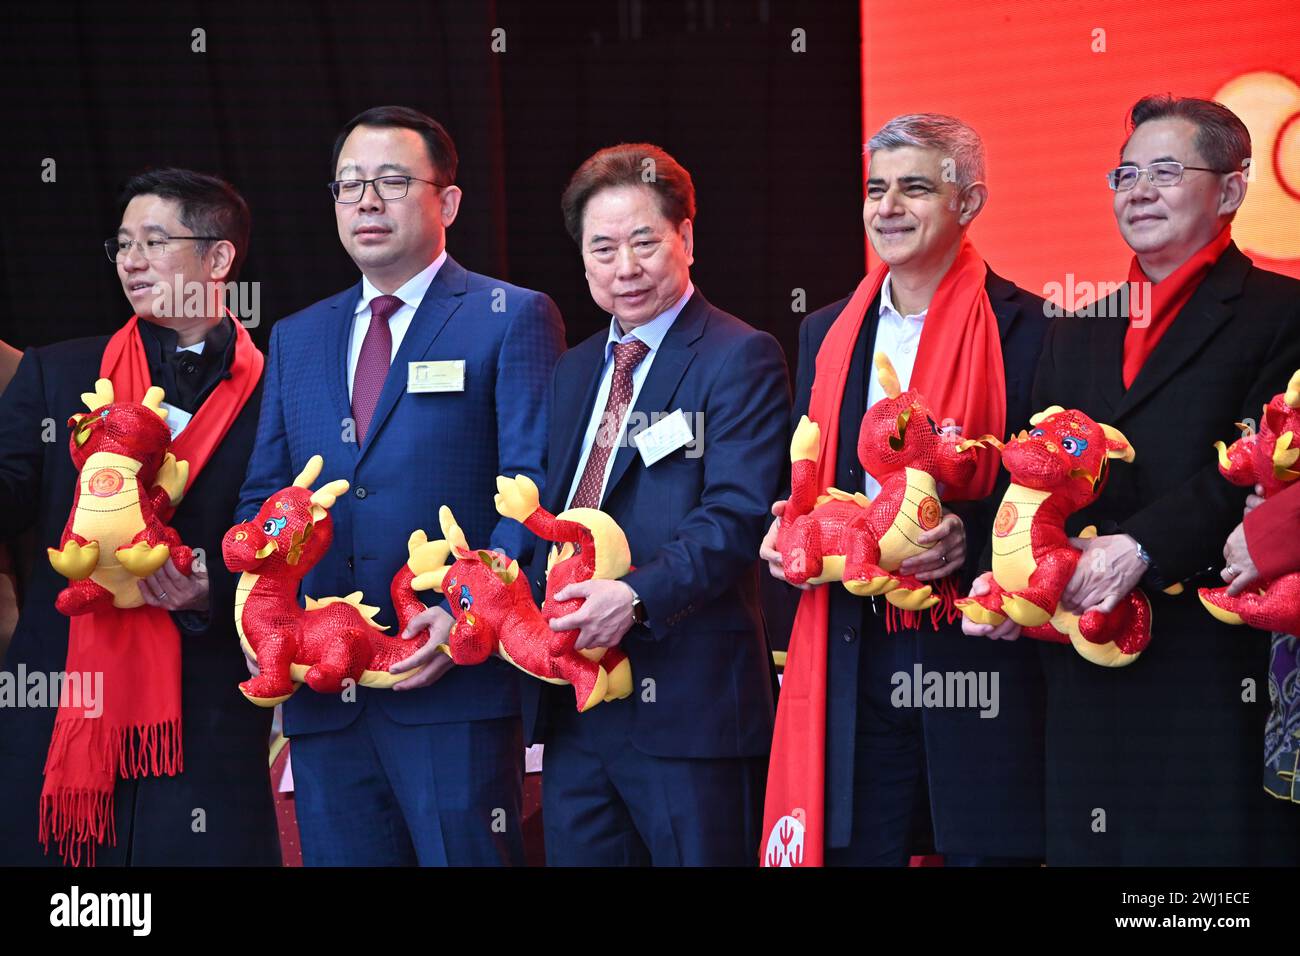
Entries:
{"x":663,"y":437}
{"x":177,"y":418}
{"x":447,"y":376}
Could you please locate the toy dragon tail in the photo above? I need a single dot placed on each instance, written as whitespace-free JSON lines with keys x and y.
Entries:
{"x":420,"y":573}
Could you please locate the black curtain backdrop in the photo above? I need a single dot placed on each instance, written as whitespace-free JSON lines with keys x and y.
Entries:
{"x":770,"y":135}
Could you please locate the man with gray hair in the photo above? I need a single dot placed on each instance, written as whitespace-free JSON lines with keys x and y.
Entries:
{"x":969,"y":340}
{"x":1157,"y":763}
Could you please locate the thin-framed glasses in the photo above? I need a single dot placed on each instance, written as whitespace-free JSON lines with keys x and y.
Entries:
{"x":387,"y":188}
{"x":151,"y":249}
{"x":1167,"y":173}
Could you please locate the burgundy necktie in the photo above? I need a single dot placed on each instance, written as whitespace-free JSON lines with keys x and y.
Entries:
{"x":627,"y":356}
{"x":372,"y":364}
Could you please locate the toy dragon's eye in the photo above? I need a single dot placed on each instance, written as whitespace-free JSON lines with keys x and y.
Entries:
{"x":466,"y":599}
{"x":1074,"y":446}
{"x":273,"y":526}
{"x":1036,"y":433}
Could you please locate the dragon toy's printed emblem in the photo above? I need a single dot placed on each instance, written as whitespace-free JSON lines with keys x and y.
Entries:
{"x":928,"y":513}
{"x":1006,"y":519}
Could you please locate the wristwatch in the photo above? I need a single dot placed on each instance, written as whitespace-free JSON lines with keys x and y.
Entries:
{"x":638,"y":608}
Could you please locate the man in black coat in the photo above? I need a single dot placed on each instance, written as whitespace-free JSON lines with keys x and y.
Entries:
{"x":975,"y":774}
{"x":1157,"y":763}
{"x":218,"y":810}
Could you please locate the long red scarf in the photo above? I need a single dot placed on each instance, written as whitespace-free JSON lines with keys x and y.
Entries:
{"x":959,"y":370}
{"x":137,"y":651}
{"x":1168,"y":296}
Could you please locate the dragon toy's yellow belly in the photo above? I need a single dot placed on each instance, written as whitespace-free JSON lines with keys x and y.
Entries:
{"x":108,"y":511}
{"x":919,"y":511}
{"x":1013,"y":551}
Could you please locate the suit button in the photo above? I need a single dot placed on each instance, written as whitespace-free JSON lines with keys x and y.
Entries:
{"x":850,"y":635}
{"x":361,"y":492}
{"x":349,"y":562}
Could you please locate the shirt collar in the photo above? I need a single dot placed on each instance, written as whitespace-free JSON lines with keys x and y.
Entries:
{"x":412,"y":291}
{"x":887,"y":302}
{"x":653,"y":332}
{"x":213,"y":342}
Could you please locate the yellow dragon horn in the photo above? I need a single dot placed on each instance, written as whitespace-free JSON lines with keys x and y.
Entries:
{"x":310,"y":472}
{"x":153,"y":401}
{"x":1292,"y":396}
{"x":1045,"y":413}
{"x":887,"y":377}
{"x":452,"y":532}
{"x":1284,"y":456}
{"x":101,"y":396}
{"x":327,"y":494}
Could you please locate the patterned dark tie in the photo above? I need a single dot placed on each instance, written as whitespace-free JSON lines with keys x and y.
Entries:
{"x":627,"y":356}
{"x":372,"y":364}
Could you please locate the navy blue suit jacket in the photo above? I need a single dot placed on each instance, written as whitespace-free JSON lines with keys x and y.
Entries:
{"x":701,"y":666}
{"x":977,"y":811}
{"x":422,"y":450}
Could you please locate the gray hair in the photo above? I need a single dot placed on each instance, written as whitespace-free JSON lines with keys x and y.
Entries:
{"x":949,"y":135}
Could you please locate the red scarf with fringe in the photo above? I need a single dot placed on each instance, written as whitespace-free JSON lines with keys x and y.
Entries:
{"x":959,"y":370}
{"x":137,"y":650}
{"x":1167,"y":298}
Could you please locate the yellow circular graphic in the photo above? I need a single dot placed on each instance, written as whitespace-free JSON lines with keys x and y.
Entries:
{"x":1006,"y":520}
{"x":1268,"y":222}
{"x":105,"y":483}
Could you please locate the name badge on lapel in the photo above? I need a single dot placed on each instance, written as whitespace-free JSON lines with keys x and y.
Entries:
{"x":663,"y":437}
{"x":177,"y":418}
{"x":447,"y":376}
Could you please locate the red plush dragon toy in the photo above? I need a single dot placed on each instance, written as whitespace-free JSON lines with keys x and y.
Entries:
{"x":494,"y":607}
{"x":128,"y":481}
{"x":1057,"y":468}
{"x":335,"y":638}
{"x":842,"y":536}
{"x":1269,"y":459}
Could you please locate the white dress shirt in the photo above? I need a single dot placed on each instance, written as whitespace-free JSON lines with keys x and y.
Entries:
{"x":652,"y":334}
{"x":411,"y":294}
{"x":898,"y":336}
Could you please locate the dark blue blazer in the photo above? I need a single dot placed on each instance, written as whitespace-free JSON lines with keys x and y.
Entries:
{"x":423,"y":450}
{"x":986,"y":776}
{"x":702,"y":670}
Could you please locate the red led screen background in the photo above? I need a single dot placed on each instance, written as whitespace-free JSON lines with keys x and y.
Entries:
{"x":1048,"y":86}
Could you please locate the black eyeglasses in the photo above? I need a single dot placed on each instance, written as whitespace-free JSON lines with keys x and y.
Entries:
{"x":1169,"y":173}
{"x":151,"y":249}
{"x":387,"y":188}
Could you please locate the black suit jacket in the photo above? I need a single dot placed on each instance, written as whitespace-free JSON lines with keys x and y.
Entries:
{"x":694,"y":523}
{"x":224,"y":737}
{"x":1171,"y":746}
{"x":974,"y":811}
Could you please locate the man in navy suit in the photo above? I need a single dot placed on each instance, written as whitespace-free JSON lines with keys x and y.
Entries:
{"x":893,"y":773}
{"x":418,"y":385}
{"x":672,"y":421}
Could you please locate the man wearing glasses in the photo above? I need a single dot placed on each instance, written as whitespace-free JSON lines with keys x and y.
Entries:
{"x":419,"y":385}
{"x":1157,"y":763}
{"x":202,"y":798}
